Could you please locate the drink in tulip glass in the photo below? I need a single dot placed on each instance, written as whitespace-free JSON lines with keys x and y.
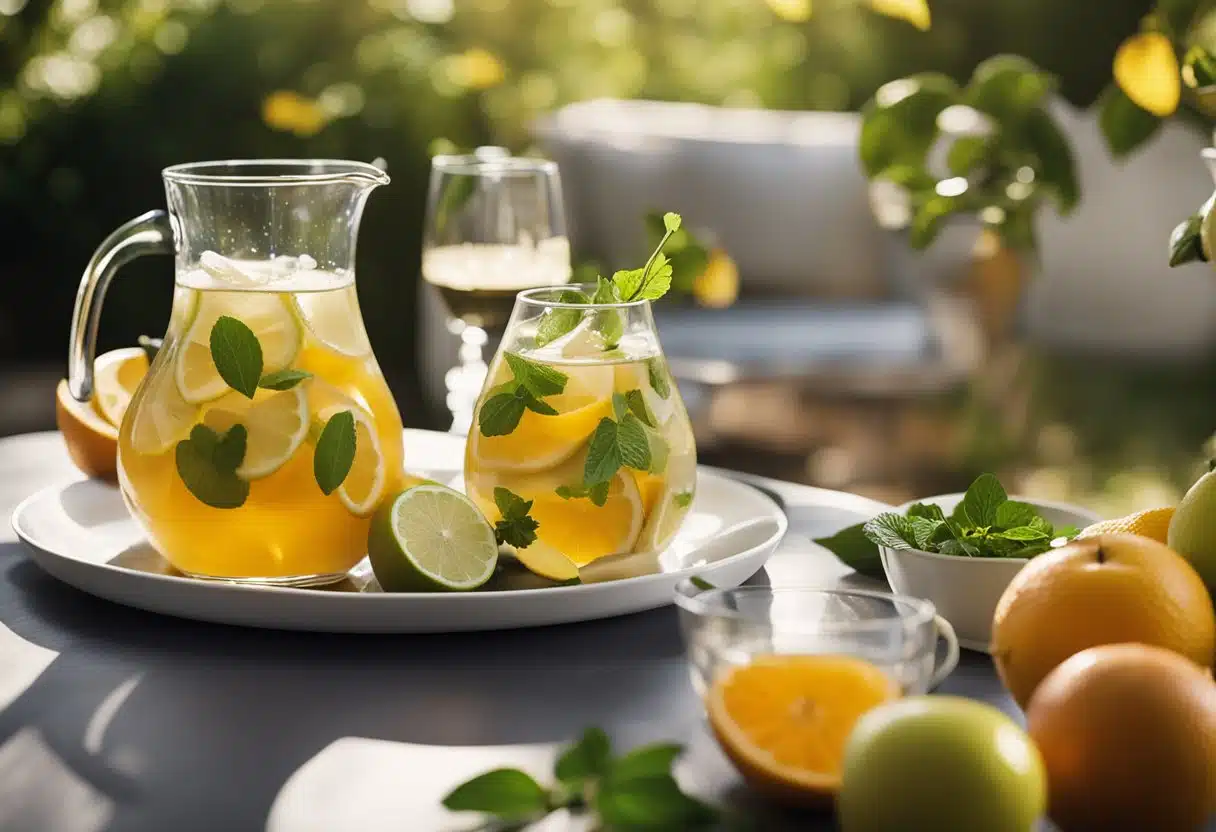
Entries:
{"x":581,"y":416}
{"x":263,"y":436}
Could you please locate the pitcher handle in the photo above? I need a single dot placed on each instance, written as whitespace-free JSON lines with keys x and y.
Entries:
{"x":149,"y":233}
{"x":946,"y":631}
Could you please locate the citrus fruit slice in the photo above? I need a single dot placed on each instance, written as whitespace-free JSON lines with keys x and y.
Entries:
{"x":539,"y":442}
{"x":667,"y":499}
{"x":334,"y":319}
{"x":363,"y":487}
{"x":1153,"y":524}
{"x":162,"y":417}
{"x":636,"y":376}
{"x":116,"y":374}
{"x":784,"y":720}
{"x":92,"y":441}
{"x":431,"y":538}
{"x":277,"y":424}
{"x":266,"y":314}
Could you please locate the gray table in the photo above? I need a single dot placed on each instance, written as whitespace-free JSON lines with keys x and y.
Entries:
{"x":115,"y":719}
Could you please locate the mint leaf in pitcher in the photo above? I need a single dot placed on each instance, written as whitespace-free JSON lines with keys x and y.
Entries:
{"x":559,"y":321}
{"x":237,"y":355}
{"x":207,"y":462}
{"x":283,"y":379}
{"x":335,"y":452}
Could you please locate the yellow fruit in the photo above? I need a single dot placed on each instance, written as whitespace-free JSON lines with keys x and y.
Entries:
{"x":92,"y":441}
{"x":1146,"y":69}
{"x":784,"y":720}
{"x":1128,"y":735}
{"x":1153,"y":524}
{"x":1108,"y":589}
{"x":718,"y":285}
{"x":116,"y":374}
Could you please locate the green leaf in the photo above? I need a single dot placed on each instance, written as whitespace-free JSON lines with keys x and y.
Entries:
{"x":1125,"y":125}
{"x":1041,"y":524}
{"x":237,"y":355}
{"x":911,"y":177}
{"x":283,"y":379}
{"x":1017,"y":230}
{"x":682,"y":499}
{"x":636,"y":403}
{"x":647,"y":761}
{"x":899,"y":124}
{"x":660,"y":451}
{"x":700,"y":583}
{"x":500,"y":414}
{"x":929,"y":511}
{"x":671,"y":221}
{"x":633,"y":442}
{"x":928,"y":217}
{"x":603,"y":454}
{"x":537,"y":406}
{"x":606,"y":291}
{"x":891,"y":530}
{"x":1186,"y":244}
{"x":1023,"y":533}
{"x":510,"y":505}
{"x":649,"y":803}
{"x":924,"y":530}
{"x":538,"y":379}
{"x":855,"y":550}
{"x":959,"y":548}
{"x":656,"y":370}
{"x":1065,"y":531}
{"x":587,"y":758}
{"x":608,"y":322}
{"x":983,"y":499}
{"x":571,"y":492}
{"x":516,"y":528}
{"x":1011,"y":514}
{"x":1007,"y":87}
{"x":1177,"y":15}
{"x":506,"y":793}
{"x":1057,"y":169}
{"x":628,"y":282}
{"x":335,"y":452}
{"x":966,"y":153}
{"x":658,"y":280}
{"x":619,"y":406}
{"x":207,"y":463}
{"x":557,"y":322}
{"x":1198,"y":68}
{"x":598,"y":493}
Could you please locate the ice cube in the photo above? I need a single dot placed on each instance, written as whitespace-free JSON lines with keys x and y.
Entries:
{"x":221,"y":268}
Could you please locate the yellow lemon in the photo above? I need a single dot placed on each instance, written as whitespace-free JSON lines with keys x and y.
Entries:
{"x":1146,"y":69}
{"x":1153,"y":524}
{"x":116,"y":374}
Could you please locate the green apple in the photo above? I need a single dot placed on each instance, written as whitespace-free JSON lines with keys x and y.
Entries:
{"x":940,"y":763}
{"x":1193,"y":529}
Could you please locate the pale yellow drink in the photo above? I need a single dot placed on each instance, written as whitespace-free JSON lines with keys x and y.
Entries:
{"x":286,"y":528}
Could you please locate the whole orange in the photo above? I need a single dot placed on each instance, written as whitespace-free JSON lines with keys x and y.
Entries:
{"x":1108,"y":589}
{"x":1128,"y":736}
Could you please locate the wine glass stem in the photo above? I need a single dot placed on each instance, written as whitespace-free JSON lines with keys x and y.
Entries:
{"x":464,"y":381}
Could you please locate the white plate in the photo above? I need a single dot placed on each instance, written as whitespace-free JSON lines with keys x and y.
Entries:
{"x":81,"y":533}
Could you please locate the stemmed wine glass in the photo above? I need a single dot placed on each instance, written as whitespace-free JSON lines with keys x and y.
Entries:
{"x":495,"y":225}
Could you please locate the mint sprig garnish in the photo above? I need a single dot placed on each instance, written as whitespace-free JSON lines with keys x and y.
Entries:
{"x":516,"y":528}
{"x":635,"y":791}
{"x":335,"y":452}
{"x":207,"y":463}
{"x":237,"y":355}
{"x":531,"y":384}
{"x":558,"y":321}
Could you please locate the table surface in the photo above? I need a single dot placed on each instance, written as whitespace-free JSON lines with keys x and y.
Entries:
{"x":117,"y":719}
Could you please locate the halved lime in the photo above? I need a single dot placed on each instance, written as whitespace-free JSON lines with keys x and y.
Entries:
{"x":430,"y":538}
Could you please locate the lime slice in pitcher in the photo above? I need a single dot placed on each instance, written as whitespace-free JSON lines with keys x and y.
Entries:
{"x":277,"y":424}
{"x":430,"y":538}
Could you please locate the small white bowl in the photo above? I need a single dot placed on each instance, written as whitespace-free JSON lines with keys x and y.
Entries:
{"x":966,"y":590}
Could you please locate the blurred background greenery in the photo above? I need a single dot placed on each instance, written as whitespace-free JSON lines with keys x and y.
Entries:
{"x":97,"y":96}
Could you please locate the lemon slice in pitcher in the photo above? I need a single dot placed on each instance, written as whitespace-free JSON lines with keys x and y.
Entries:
{"x":334,"y":319}
{"x":267,"y":315}
{"x":116,"y":374}
{"x":363,"y":487}
{"x":277,"y":424}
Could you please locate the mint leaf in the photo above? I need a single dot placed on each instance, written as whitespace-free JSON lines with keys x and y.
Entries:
{"x":700,"y":583}
{"x":636,"y":404}
{"x":1011,"y":514}
{"x":926,"y":510}
{"x":682,"y":499}
{"x":605,"y":292}
{"x":598,"y":493}
{"x":335,"y":452}
{"x":537,"y":406}
{"x":1024,"y":533}
{"x":506,"y":793}
{"x":608,"y":322}
{"x":634,"y":444}
{"x":1065,"y":531}
{"x":657,"y":282}
{"x":516,"y":528}
{"x":1041,"y":524}
{"x":619,"y":407}
{"x":855,"y":550}
{"x":983,"y":499}
{"x":237,"y":355}
{"x":603,"y":454}
{"x":587,"y":758}
{"x":961,"y":548}
{"x":283,"y":379}
{"x":570,"y":492}
{"x":557,"y":322}
{"x":628,"y":282}
{"x":657,"y":372}
{"x":649,"y":803}
{"x":659,"y":451}
{"x":647,"y":761}
{"x":538,"y":379}
{"x":924,"y":530}
{"x":891,"y":530}
{"x":500,"y":414}
{"x":207,"y":463}
{"x":671,"y":221}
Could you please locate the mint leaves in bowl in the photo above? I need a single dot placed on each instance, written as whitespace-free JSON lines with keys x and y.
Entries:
{"x":959,"y":551}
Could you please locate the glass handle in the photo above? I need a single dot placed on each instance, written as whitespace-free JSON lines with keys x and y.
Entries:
{"x":946,"y":632}
{"x":148,"y":233}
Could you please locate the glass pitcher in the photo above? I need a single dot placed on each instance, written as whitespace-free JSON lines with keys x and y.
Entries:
{"x":589,"y":426}
{"x":263,"y":435}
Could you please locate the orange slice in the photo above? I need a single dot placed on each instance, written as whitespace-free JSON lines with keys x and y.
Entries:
{"x":784,"y":720}
{"x":92,"y":441}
